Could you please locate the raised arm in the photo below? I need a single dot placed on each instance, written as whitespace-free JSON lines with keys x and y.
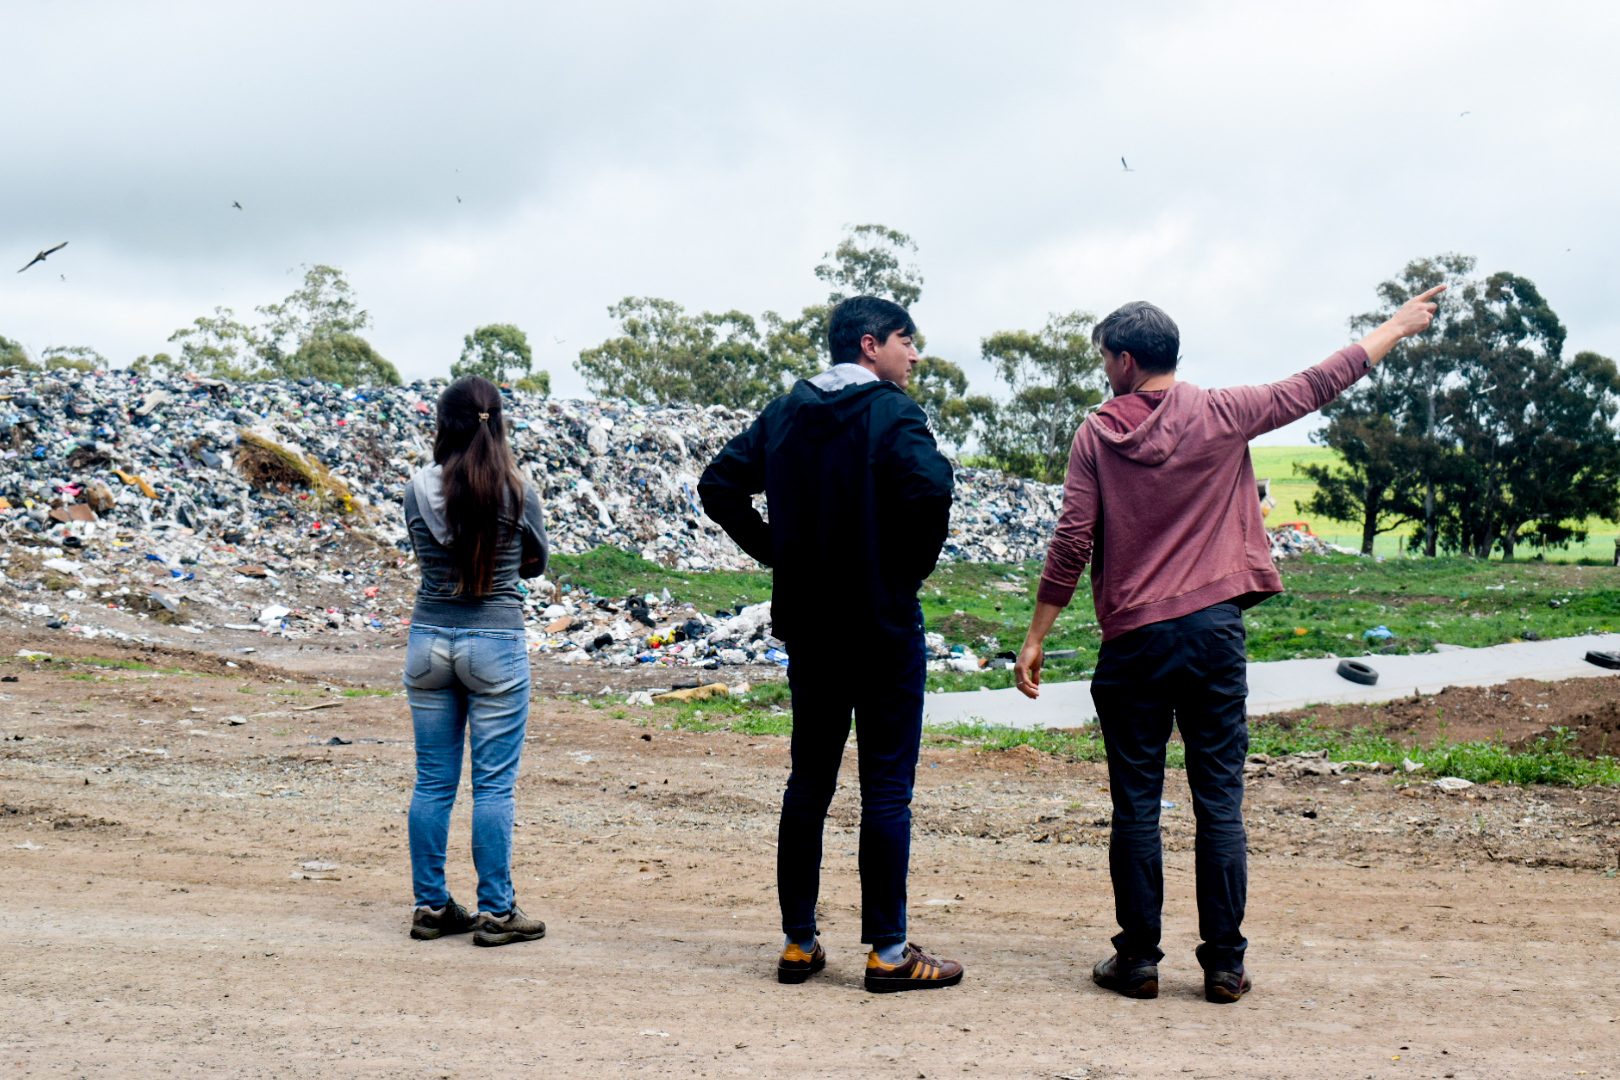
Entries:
{"x":1255,"y":410}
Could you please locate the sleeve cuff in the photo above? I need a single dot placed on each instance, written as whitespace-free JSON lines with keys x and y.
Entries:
{"x":1051,"y":592}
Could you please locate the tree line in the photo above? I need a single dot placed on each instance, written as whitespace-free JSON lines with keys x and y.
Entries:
{"x":1480,"y":431}
{"x":312,"y":333}
{"x":1053,"y":375}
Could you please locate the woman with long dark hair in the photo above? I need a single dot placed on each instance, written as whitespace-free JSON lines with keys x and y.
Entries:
{"x":477,"y":528}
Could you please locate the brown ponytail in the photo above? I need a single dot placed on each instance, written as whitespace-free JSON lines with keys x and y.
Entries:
{"x":481,"y":482}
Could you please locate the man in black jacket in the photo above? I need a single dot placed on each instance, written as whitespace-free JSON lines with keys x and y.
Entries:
{"x":859,"y":499}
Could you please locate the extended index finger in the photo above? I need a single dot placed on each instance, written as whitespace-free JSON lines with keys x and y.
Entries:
{"x":1432,"y":293}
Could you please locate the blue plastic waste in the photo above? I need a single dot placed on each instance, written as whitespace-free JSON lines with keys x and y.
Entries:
{"x":1378,"y":633}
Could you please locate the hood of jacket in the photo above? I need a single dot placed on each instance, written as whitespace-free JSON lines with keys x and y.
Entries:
{"x":822,"y":414}
{"x":428,"y":485}
{"x":1153,"y":440}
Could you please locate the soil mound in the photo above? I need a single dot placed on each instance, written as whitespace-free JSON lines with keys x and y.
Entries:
{"x":1597,"y":733}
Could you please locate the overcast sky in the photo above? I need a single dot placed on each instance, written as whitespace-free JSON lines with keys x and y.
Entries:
{"x":1287,"y":158}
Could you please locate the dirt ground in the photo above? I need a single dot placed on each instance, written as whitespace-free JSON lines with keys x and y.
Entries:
{"x":170,"y":909}
{"x":1513,"y":712}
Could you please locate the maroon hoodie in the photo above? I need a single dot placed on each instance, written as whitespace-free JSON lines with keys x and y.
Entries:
{"x":1160,"y":497}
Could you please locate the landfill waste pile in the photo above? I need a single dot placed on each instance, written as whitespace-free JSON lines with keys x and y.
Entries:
{"x":1290,"y":540}
{"x":276,"y":506}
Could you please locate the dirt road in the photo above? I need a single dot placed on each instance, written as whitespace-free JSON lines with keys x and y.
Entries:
{"x":167,"y":911}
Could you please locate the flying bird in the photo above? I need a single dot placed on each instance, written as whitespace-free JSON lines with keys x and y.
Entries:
{"x":236,"y":204}
{"x":1464,"y":113}
{"x":42,"y":256}
{"x":1127,"y":167}
{"x":557,"y":339}
{"x":458,"y":198}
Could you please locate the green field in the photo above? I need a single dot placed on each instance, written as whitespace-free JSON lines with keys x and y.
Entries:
{"x":1292,"y":490}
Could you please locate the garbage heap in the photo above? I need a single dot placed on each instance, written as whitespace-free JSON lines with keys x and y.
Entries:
{"x":1289,"y":541}
{"x":276,"y":506}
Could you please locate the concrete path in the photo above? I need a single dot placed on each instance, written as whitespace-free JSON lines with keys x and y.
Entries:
{"x":1279,"y":685}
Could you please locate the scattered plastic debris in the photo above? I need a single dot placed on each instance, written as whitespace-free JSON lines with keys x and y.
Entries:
{"x":1293,"y":539}
{"x":1308,"y":763}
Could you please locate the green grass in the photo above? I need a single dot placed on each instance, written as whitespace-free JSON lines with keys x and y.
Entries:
{"x":611,"y":572}
{"x":1291,"y":490}
{"x":746,"y":714}
{"x":1548,"y":762}
{"x":106,"y":662}
{"x":367,"y":691}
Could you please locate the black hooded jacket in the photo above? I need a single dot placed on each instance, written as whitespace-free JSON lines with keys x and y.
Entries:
{"x":859,"y":499}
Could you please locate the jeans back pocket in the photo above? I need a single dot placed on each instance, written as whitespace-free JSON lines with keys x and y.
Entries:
{"x":495,"y":658}
{"x":427,"y":661}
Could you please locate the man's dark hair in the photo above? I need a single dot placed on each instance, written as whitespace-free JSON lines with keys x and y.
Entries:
{"x":1144,"y":331}
{"x":858,"y":316}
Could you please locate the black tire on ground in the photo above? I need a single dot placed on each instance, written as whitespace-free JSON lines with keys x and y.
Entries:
{"x":1357,"y":672}
{"x":1603,"y":659}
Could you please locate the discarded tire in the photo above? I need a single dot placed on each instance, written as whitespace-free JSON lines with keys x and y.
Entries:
{"x":1357,"y":672}
{"x":1603,"y":659}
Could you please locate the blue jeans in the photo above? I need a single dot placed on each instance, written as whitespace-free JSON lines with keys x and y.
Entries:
{"x":883,"y":687}
{"x":1192,"y":670}
{"x":466,"y":683}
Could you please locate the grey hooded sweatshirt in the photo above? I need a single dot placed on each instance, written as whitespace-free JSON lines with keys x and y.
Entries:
{"x":523,"y":553}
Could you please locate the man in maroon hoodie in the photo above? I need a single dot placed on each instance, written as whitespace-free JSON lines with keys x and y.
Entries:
{"x":1160,"y":501}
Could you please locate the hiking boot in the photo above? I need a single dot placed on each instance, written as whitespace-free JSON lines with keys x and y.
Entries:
{"x":505,"y":929}
{"x":1133,"y":978}
{"x":428,"y":923}
{"x":1225,"y":987}
{"x":916,"y":971}
{"x":796,"y":965}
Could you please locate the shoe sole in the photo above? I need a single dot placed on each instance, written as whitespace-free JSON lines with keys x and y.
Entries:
{"x":1146,"y":990}
{"x":798,"y":975}
{"x":489,"y":941}
{"x":898,"y":986}
{"x":1220,"y":995}
{"x":425,"y":935}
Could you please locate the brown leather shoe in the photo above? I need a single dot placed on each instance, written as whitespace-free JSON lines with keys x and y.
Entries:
{"x":917,"y":971}
{"x":796,"y":965}
{"x":1133,"y":978}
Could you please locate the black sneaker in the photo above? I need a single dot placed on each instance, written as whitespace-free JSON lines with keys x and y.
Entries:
{"x":428,"y":923}
{"x":1133,"y":978}
{"x":1225,"y":987}
{"x":505,"y":929}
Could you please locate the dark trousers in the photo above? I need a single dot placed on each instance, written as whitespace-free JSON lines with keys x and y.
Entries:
{"x":1191,"y":670}
{"x":883,"y":687}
